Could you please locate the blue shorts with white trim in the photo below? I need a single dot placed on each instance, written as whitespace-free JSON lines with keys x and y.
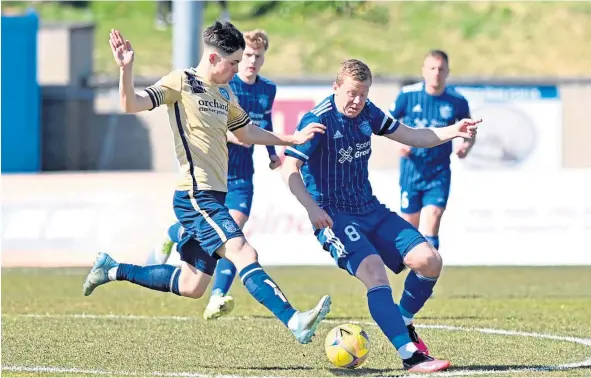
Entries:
{"x":239,"y":197}
{"x":207,"y":226}
{"x":382,"y":232}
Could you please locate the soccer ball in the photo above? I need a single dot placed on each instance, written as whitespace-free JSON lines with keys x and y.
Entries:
{"x":347,"y":346}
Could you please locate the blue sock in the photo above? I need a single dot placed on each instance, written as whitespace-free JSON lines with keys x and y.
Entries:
{"x":156,"y":277}
{"x":264,"y":290}
{"x":434,"y":240}
{"x":387,"y":315}
{"x":417,"y":289}
{"x":175,"y":232}
{"x":225,"y":272}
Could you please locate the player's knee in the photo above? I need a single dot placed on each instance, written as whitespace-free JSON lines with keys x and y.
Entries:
{"x":239,"y":252}
{"x":194,"y":293}
{"x":190,"y":286}
{"x":425,"y":260}
{"x":372,"y":272}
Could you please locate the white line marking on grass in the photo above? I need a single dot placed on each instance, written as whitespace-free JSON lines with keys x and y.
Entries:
{"x":46,"y":369}
{"x":453,"y":373}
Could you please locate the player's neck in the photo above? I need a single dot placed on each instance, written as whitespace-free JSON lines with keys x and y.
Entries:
{"x":433,"y":91}
{"x":205,"y":73}
{"x":247,"y":80}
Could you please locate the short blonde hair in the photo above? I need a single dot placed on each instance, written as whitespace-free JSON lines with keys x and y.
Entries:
{"x":354,"y":69}
{"x":257,"y":39}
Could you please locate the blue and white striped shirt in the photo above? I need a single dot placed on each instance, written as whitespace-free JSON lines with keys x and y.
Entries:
{"x":336,"y":170}
{"x":416,"y":108}
{"x":256,"y":100}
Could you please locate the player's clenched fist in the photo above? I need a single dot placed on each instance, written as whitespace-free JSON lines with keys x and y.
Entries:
{"x":121,"y":48}
{"x":319,"y":218}
{"x":308,"y":132}
{"x":467,"y":128}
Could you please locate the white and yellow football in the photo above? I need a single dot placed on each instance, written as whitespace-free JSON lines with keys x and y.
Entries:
{"x":347,"y":346}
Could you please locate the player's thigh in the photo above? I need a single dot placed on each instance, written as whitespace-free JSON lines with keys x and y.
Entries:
{"x":193,"y":282}
{"x":346,"y":243}
{"x":239,"y":202}
{"x":394,"y":238}
{"x":239,"y":252}
{"x":372,"y":272}
{"x":206,"y":219}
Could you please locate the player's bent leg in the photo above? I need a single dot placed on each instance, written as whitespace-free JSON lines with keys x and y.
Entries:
{"x":225,"y":270}
{"x":220,"y":303}
{"x":383,"y":309}
{"x":261,"y":286}
{"x":156,"y":277}
{"x":386,"y":313}
{"x":395,"y":239}
{"x":425,"y":264}
{"x":192,"y":282}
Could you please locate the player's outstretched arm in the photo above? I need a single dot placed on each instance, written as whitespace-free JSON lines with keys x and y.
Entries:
{"x":232,"y":139}
{"x":130,"y":100}
{"x":251,"y":134}
{"x":431,"y":137}
{"x":290,"y":171}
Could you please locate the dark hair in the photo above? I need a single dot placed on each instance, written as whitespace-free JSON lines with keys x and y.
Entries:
{"x":439,"y":54}
{"x":224,"y":37}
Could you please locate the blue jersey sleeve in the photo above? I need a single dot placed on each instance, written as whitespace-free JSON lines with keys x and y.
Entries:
{"x":304,"y":151}
{"x":381,"y":123}
{"x":268,"y":119}
{"x":398,"y":107}
{"x":464,"y":109}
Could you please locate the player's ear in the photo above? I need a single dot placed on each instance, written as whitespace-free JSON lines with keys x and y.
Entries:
{"x":334,"y":85}
{"x":213,"y":58}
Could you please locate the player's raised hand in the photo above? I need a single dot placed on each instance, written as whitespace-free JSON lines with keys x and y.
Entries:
{"x":319,"y":218}
{"x":121,"y":48}
{"x":275,"y":162}
{"x":467,"y":128}
{"x":308,"y":132}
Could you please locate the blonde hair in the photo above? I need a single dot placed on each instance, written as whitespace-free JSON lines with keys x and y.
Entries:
{"x":257,"y":39}
{"x":354,"y":69}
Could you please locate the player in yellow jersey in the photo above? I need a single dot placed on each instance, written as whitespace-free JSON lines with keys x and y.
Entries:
{"x":202,"y":108}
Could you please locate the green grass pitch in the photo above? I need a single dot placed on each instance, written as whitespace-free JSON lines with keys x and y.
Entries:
{"x":50,"y":329}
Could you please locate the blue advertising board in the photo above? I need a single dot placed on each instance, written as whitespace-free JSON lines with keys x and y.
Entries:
{"x":21,"y":101}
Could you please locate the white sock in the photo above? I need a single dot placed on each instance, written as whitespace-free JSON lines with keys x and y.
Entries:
{"x":113,"y":273}
{"x":407,"y":321}
{"x":407,"y":350}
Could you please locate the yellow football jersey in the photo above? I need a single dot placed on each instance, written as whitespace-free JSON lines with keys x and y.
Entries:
{"x":200,"y":114}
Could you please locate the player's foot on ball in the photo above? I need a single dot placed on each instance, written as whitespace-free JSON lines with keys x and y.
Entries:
{"x":99,"y":274}
{"x":421,"y":363}
{"x":414,"y":337}
{"x":303,"y":324}
{"x":218,"y":306}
